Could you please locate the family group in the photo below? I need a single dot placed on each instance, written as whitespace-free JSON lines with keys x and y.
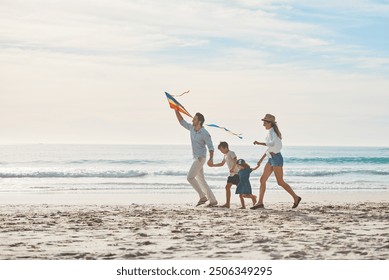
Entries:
{"x":238,"y":168}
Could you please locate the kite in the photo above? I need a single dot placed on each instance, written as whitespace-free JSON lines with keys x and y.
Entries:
{"x":174,"y":104}
{"x":229,"y":131}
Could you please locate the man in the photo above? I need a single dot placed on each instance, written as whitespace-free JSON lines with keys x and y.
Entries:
{"x":199,"y":138}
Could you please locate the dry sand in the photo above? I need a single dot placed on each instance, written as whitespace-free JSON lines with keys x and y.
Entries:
{"x":314,"y":231}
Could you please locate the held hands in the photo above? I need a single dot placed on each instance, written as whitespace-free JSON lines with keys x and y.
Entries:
{"x":258,"y":164}
{"x":210,"y":162}
{"x":256,"y":143}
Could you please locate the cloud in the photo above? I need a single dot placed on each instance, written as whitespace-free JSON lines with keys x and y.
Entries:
{"x":120,"y":26}
{"x":68,"y":66}
{"x":193,"y":29}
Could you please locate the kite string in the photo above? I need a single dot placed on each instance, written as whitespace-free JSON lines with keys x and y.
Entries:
{"x":178,"y":95}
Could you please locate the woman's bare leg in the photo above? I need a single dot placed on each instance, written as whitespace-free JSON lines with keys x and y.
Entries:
{"x":279,"y":173}
{"x":267,"y":171}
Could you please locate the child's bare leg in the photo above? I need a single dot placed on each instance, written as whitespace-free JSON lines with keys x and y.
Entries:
{"x":228,"y":195}
{"x":254,"y":199}
{"x":241,"y":196}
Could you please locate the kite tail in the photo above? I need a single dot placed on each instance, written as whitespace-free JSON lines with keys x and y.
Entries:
{"x":239,"y":135}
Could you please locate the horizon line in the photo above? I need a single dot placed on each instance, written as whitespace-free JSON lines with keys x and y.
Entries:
{"x":177,"y":144}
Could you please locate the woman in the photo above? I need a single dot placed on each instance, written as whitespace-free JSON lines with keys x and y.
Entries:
{"x":275,"y":162}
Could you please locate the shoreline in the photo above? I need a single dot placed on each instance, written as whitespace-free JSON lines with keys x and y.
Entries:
{"x":186,"y":197}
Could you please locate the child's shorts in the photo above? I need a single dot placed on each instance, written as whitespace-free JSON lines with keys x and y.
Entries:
{"x":276,"y":160}
{"x":233,"y":179}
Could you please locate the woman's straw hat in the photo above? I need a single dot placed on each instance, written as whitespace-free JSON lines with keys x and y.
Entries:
{"x":269,"y":118}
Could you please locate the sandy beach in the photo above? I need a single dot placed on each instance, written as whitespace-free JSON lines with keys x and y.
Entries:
{"x":355,"y":228}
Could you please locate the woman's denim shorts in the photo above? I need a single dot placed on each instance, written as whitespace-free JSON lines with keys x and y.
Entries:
{"x":276,"y":160}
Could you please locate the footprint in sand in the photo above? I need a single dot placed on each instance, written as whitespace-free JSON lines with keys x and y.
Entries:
{"x":298,"y":255}
{"x":261,"y":241}
{"x":146,"y":243}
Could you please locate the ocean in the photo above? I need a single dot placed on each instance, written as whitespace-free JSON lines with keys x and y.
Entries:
{"x":163,"y":168}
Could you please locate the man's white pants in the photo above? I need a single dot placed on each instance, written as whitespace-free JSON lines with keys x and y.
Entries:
{"x":197,"y":180}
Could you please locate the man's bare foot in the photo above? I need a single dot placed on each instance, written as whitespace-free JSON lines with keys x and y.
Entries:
{"x":225,"y":206}
{"x":242,"y":207}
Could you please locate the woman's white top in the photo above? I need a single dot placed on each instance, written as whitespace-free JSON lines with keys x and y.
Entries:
{"x":273,"y":142}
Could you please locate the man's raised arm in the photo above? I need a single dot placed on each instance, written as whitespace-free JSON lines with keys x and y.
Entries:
{"x":179,"y":116}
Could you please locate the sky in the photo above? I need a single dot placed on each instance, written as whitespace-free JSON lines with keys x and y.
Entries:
{"x":95,"y":71}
